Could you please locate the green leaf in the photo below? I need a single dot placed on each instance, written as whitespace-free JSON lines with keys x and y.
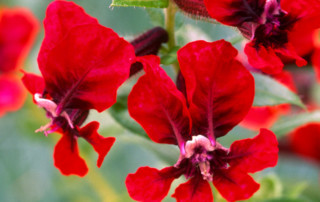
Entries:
{"x":170,"y":57}
{"x":288,"y":123}
{"x":269,"y":92}
{"x":141,"y":3}
{"x":156,"y":16}
{"x":119,"y":112}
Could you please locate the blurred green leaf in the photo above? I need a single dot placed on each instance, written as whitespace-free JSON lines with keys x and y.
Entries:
{"x":119,"y":112}
{"x":141,"y":3}
{"x":288,"y":123}
{"x":269,"y":92}
{"x":170,"y":57}
{"x":156,"y":16}
{"x":285,"y":199}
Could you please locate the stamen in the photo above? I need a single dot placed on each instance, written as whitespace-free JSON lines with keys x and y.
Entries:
{"x":49,"y":105}
{"x":197,"y":141}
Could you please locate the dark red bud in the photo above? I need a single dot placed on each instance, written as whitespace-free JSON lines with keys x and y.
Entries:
{"x":194,"y":8}
{"x":148,"y":43}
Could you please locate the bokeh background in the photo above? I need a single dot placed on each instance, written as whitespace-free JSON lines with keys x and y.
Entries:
{"x":26,"y":164}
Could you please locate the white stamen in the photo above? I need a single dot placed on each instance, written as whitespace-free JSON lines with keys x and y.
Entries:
{"x":51,"y":107}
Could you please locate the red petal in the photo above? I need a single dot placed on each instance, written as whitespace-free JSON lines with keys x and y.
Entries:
{"x":150,"y":184}
{"x":258,"y":153}
{"x":101,"y":144}
{"x":264,"y":59}
{"x":61,"y":17}
{"x":66,"y":157}
{"x":195,"y":190}
{"x":301,"y":36}
{"x":234,"y":185}
{"x":12,"y":94}
{"x":220,"y":89}
{"x":261,"y":117}
{"x":87,"y":76}
{"x":158,"y":106}
{"x":305,"y":141}
{"x":18,"y":28}
{"x":289,"y":53}
{"x":235,"y":12}
{"x":34,"y":83}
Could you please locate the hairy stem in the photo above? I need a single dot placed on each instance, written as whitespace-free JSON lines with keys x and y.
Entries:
{"x":170,"y":14}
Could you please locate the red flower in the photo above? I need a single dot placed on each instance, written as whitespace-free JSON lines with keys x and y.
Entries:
{"x":18,"y":28}
{"x":271,"y":27}
{"x":305,"y":141}
{"x":219,"y":93}
{"x":12,"y":94}
{"x":82,"y":64}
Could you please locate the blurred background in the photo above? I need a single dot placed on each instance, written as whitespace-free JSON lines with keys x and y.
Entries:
{"x":27,"y":172}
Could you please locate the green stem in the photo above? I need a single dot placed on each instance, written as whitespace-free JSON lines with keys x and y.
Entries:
{"x":236,"y":39}
{"x":170,"y":14}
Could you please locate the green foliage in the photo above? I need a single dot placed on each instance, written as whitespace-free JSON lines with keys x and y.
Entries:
{"x":289,"y":123}
{"x":141,"y":3}
{"x":119,"y":112}
{"x":269,"y":92}
{"x":170,"y":57}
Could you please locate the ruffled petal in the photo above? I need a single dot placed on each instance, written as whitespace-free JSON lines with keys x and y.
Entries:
{"x":66,"y":156}
{"x":235,"y":185}
{"x":158,"y":105}
{"x":252,"y":155}
{"x":18,"y":29}
{"x":33,"y":83}
{"x":263,"y":58}
{"x":220,"y":89}
{"x":12,"y":94}
{"x":150,"y":184}
{"x":195,"y":190}
{"x":87,"y":76}
{"x":235,"y":12}
{"x":101,"y":144}
{"x":289,"y":53}
{"x":61,"y":17}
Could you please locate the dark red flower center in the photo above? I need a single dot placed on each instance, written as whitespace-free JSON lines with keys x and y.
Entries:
{"x":65,"y":120}
{"x":274,"y":26}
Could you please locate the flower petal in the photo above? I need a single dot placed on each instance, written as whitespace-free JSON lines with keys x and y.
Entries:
{"x":33,"y":83}
{"x":220,"y":89}
{"x":61,"y":17}
{"x":235,"y":12}
{"x":235,"y":185}
{"x":258,"y":153}
{"x":195,"y":190}
{"x":66,"y":156}
{"x":150,"y":184}
{"x":12,"y":94}
{"x":87,"y":77}
{"x":305,"y":141}
{"x":18,"y":29}
{"x":158,"y":106}
{"x":263,"y":58}
{"x":101,"y":144}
